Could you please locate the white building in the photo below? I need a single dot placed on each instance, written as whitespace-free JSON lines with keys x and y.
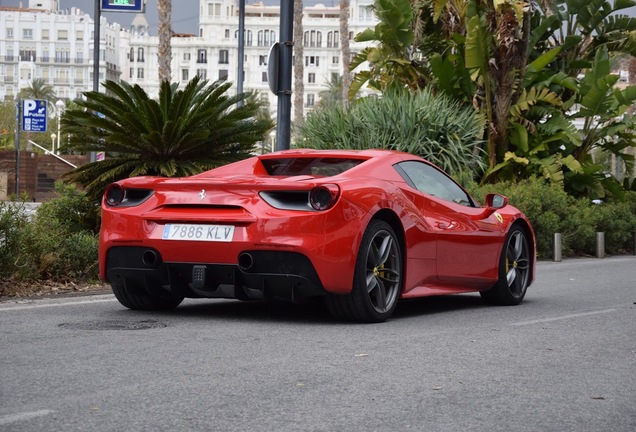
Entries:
{"x":42,"y":42}
{"x":56,"y":46}
{"x":213,"y":53}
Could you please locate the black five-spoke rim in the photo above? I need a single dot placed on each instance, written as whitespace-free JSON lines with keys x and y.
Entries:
{"x":383,"y":271}
{"x":517,"y":263}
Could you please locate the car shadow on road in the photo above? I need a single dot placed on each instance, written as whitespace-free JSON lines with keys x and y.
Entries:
{"x":309,"y":313}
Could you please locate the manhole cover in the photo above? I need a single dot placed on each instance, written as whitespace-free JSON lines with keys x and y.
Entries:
{"x":113,"y":325}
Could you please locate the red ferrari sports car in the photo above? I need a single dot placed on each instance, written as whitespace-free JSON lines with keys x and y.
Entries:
{"x":360,"y":229}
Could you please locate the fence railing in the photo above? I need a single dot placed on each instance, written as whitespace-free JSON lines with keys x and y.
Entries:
{"x":49,"y":152}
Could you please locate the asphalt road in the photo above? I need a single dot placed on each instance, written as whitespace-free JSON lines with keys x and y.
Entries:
{"x":564,"y":360}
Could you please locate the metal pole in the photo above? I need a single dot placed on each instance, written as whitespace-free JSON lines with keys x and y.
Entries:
{"x":17,"y":146}
{"x":283,"y":126}
{"x":557,"y":247}
{"x":600,"y":245}
{"x":96,"y":29}
{"x":241,"y":49}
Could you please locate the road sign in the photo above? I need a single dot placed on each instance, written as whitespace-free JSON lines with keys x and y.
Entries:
{"x":123,"y":5}
{"x":34,"y":115}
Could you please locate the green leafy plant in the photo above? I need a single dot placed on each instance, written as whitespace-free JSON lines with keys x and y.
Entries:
{"x":434,"y":127}
{"x":182,"y":133}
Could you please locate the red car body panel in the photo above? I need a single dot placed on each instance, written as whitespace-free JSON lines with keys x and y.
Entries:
{"x":448,"y":247}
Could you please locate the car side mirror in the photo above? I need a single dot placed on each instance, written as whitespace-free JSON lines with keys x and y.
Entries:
{"x":494,"y":202}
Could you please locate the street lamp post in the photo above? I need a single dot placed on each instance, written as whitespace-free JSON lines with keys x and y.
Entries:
{"x":53,"y":142}
{"x":60,"y":105}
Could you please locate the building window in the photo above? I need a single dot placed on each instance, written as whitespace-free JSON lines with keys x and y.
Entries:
{"x":79,"y":35}
{"x":45,"y":34}
{"x":62,"y":57}
{"x":28,"y":55}
{"x":311,"y":78}
{"x":202,"y":73}
{"x":9,"y":33}
{"x":312,"y":39}
{"x":266,"y":37}
{"x":131,"y":55}
{"x":227,"y":33}
{"x":202,"y":56}
{"x":140,"y":54}
{"x":365,"y":12}
{"x":312,"y":61}
{"x":132,"y":72}
{"x":223,"y":74}
{"x":62,"y":35}
{"x":214,"y":10}
{"x":333,"y":39}
{"x":262,"y":60}
{"x":140,"y":72}
{"x":186,"y":56}
{"x":27,"y":33}
{"x":248,"y":37}
{"x":185,"y":76}
{"x":335,"y":60}
{"x":310,"y":100}
{"x":224,"y":57}
{"x":264,"y":77}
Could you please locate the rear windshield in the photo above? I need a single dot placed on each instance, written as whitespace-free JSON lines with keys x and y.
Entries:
{"x":318,"y":167}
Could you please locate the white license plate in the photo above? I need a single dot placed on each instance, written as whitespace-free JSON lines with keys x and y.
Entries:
{"x":192,"y":232}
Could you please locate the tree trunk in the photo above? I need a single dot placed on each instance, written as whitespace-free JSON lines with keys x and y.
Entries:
{"x":164,"y":8}
{"x":346,"y":52}
{"x":299,"y":68}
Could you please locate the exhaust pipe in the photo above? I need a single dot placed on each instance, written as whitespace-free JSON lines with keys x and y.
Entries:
{"x":150,"y":258}
{"x":245,"y":261}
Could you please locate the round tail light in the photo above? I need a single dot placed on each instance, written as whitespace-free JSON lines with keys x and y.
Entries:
{"x":114,"y":195}
{"x":323,"y":197}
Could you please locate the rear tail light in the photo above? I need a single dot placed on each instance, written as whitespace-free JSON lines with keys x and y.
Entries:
{"x":323,"y":197}
{"x":114,"y":195}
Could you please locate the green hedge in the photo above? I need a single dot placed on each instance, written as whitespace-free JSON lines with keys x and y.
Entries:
{"x":58,"y":243}
{"x":551,"y":210}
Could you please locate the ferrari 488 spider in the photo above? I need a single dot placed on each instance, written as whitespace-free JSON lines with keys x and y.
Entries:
{"x":360,"y":229}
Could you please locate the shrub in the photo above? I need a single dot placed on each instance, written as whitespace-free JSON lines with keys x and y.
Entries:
{"x":14,"y":221}
{"x":551,"y":210}
{"x":545,"y":204}
{"x":431,"y":126}
{"x":57,"y":243}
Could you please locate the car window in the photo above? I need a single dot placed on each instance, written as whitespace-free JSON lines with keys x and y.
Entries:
{"x":430,"y":180}
{"x":313,"y":166}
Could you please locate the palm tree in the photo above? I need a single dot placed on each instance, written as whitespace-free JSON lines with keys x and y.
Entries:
{"x":333,"y":95}
{"x":299,"y":69}
{"x":38,"y":89}
{"x":182,"y":133}
{"x":164,"y":8}
{"x":346,"y":52}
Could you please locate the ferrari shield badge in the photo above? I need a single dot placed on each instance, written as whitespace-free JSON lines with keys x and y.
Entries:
{"x":499,"y":218}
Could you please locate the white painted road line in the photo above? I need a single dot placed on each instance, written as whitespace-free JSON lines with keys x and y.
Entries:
{"x":14,"y":418}
{"x":38,"y":304}
{"x":563,"y":317}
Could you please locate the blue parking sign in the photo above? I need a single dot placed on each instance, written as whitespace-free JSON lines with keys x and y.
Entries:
{"x":34,"y":115}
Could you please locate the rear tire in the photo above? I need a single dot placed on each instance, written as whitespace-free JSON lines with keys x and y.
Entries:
{"x":514,"y":271}
{"x":377,"y":278}
{"x":143,"y":301}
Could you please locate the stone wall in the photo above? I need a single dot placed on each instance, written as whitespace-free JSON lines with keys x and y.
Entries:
{"x":38,"y":173}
